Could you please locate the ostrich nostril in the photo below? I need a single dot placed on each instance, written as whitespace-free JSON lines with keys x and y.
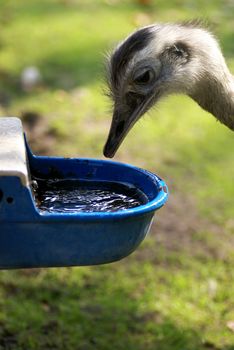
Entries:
{"x":119,"y":128}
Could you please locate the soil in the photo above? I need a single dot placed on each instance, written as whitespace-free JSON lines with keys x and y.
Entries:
{"x":36,"y":129}
{"x":179,"y":226}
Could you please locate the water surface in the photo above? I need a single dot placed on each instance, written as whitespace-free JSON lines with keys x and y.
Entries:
{"x":68,"y":196}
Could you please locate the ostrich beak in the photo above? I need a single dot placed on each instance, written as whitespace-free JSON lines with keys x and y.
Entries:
{"x":122,"y":122}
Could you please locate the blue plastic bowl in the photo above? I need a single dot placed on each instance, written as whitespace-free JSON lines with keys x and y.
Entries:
{"x":30,"y":238}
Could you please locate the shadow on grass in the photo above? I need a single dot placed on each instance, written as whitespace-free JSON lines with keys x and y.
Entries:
{"x":54,"y":313}
{"x":83,"y":64}
{"x":77,"y":66}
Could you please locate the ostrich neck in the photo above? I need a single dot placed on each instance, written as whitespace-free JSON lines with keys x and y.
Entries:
{"x":217,"y":97}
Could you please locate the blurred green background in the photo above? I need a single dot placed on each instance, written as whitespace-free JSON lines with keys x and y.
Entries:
{"x":177,"y":290}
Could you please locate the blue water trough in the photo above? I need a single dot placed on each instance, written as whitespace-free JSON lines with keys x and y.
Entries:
{"x":30,"y":237}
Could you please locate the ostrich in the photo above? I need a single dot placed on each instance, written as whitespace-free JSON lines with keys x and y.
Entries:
{"x":162,"y":59}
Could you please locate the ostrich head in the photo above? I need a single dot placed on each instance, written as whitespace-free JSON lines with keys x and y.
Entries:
{"x":162,"y":59}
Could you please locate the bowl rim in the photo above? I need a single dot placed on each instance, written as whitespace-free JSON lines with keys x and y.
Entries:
{"x":156,"y":203}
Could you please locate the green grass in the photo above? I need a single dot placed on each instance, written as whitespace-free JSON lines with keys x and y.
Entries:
{"x":176,"y":291}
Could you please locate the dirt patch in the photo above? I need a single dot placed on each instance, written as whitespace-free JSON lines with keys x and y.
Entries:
{"x":179,"y":226}
{"x":39,"y":135}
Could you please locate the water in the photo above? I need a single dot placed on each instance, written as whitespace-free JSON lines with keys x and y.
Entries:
{"x":69,"y":196}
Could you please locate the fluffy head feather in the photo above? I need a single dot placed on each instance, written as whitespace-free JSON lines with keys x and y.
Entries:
{"x":162,"y":59}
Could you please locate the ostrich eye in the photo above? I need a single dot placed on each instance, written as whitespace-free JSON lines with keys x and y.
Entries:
{"x":143,"y":77}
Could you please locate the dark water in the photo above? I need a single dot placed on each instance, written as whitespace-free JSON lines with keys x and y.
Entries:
{"x":68,"y":196}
